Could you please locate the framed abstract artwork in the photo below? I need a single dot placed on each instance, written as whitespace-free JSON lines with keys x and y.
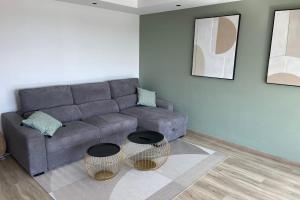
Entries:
{"x":284,"y":61}
{"x":215,"y":46}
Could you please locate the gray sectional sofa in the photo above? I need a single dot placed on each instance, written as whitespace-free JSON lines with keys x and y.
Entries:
{"x":91,"y":113}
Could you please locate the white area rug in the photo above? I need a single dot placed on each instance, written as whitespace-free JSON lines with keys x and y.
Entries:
{"x":186,"y":164}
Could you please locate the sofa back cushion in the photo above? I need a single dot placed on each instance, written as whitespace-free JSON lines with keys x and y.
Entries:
{"x":127,"y":101}
{"x":61,"y":113}
{"x":44,"y":98}
{"x":98,"y":108}
{"x":94,"y":99}
{"x":85,"y":93}
{"x":123,"y":87}
{"x":124,"y":91}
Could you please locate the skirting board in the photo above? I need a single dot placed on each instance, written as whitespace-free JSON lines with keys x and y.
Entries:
{"x":249,"y":150}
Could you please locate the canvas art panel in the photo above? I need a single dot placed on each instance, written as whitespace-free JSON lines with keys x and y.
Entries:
{"x":284,"y":62}
{"x":215,"y":46}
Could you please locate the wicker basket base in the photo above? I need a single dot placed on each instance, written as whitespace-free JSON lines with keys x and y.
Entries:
{"x":145,"y":165}
{"x":104,"y":175}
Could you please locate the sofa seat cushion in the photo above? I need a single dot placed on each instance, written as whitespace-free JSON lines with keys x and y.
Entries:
{"x":172,"y":125}
{"x":71,"y":134}
{"x":113,"y":123}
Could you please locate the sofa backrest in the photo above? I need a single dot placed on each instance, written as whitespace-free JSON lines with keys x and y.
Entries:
{"x":75,"y":102}
{"x":94,"y":99}
{"x":90,"y":92}
{"x":124,"y":91}
{"x":46,"y":97}
{"x":57,"y":101}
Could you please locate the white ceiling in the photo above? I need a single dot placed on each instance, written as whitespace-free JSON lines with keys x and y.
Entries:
{"x":147,"y":6}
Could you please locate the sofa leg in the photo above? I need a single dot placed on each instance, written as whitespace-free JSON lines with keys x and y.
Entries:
{"x":39,"y":174}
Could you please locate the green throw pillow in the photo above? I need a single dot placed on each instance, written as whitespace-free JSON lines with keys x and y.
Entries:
{"x":146,"y":98}
{"x":43,"y":122}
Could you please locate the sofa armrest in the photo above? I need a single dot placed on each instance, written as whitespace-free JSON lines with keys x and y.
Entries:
{"x":25,"y":144}
{"x":160,"y":103}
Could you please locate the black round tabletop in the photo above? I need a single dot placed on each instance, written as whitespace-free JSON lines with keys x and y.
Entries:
{"x":103,"y":150}
{"x":145,"y":137}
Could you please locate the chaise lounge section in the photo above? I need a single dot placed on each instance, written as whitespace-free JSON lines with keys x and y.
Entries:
{"x":90,"y":113}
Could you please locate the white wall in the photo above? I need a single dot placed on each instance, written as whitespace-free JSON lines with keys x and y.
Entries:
{"x":48,"y":42}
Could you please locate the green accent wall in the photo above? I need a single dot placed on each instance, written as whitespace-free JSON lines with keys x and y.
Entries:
{"x":246,"y":111}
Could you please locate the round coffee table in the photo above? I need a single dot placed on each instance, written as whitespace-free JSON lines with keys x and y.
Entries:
{"x":102,"y":161}
{"x":146,"y":150}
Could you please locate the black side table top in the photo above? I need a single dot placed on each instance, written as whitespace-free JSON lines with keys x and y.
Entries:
{"x":145,"y":137}
{"x":103,"y":150}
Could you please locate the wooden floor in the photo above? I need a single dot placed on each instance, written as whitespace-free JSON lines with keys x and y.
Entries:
{"x":242,"y":176}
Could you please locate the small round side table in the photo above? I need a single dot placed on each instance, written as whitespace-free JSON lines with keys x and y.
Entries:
{"x":146,"y":150}
{"x":102,"y":161}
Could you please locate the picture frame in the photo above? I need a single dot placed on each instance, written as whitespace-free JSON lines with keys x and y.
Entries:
{"x":284,"y":57}
{"x":215,"y":46}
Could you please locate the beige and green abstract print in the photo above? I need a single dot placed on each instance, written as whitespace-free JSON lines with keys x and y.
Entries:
{"x":215,"y":46}
{"x":284,"y":63}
